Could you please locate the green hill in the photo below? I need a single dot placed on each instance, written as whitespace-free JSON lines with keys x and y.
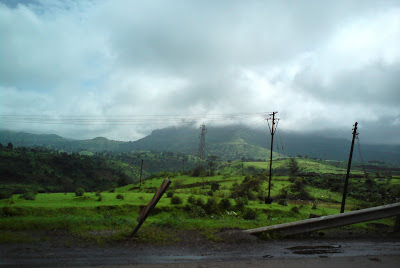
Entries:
{"x":49,"y":171}
{"x":228,"y":143}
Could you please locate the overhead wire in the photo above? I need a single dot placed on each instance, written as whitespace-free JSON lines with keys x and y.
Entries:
{"x":123,"y":119}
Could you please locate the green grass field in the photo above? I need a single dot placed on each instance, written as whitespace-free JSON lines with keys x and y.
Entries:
{"x":83,"y":215}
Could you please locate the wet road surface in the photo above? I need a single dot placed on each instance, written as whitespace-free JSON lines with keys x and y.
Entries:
{"x":373,"y":251}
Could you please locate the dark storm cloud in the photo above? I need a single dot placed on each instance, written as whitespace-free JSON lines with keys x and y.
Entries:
{"x":335,"y":61}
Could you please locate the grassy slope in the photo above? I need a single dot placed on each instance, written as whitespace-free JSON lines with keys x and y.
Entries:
{"x":80,"y":215}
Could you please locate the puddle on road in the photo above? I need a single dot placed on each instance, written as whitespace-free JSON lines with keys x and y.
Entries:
{"x":310,"y":250}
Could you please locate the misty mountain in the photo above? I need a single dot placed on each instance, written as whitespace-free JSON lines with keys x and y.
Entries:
{"x":228,"y":143}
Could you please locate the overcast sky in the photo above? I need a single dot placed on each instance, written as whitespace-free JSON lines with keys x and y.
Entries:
{"x":321,"y":64}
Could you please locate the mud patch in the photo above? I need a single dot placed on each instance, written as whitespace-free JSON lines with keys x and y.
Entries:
{"x":236,"y":236}
{"x":316,"y":250}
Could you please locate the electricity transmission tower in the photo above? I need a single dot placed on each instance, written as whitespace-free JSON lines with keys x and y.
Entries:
{"x":272,"y":130}
{"x":202,"y":144}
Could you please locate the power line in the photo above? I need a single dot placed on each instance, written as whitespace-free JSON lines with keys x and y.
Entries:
{"x":123,"y":119}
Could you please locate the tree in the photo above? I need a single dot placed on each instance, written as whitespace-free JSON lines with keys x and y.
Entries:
{"x":293,"y":167}
{"x":10,"y":146}
{"x":211,"y":163}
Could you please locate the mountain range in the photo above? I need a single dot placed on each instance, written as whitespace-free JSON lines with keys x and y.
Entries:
{"x":228,"y":143}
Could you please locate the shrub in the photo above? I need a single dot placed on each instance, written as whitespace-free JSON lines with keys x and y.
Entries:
{"x":197,"y":212}
{"x":191,"y":200}
{"x":199,"y":171}
{"x":284,"y":192}
{"x":100,"y":198}
{"x":112,"y":190}
{"x":79,"y":192}
{"x":29,"y":195}
{"x":304,"y":195}
{"x":250,"y":214}
{"x":283,"y":202}
{"x":176,"y":200}
{"x":298,"y":185}
{"x":314,"y":204}
{"x":251,"y":195}
{"x":241,"y":202}
{"x":247,"y":188}
{"x":200,"y":202}
{"x":225,"y":203}
{"x":215,"y":186}
{"x":295,"y":209}
{"x":120,"y":196}
{"x":261,"y":195}
{"x":4,"y":194}
{"x":170,"y":194}
{"x":98,"y":193}
{"x":211,"y":206}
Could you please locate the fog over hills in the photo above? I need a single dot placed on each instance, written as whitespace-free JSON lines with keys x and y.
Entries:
{"x":228,"y":143}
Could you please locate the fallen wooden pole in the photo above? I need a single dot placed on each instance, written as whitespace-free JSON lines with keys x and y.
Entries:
{"x":153,"y":202}
{"x":331,"y":221}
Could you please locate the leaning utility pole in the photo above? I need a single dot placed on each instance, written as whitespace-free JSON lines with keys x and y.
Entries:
{"x":346,"y":182}
{"x":272,"y":130}
{"x":202,"y":145}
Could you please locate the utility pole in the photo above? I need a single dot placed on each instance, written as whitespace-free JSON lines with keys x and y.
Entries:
{"x":272,"y":130}
{"x":202,"y":144}
{"x":141,"y":169}
{"x":346,"y":182}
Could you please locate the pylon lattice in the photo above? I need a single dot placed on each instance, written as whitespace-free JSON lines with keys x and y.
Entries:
{"x":202,"y":144}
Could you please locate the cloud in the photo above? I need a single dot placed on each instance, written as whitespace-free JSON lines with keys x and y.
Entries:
{"x":321,"y":65}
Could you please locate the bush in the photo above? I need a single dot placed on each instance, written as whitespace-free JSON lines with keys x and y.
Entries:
{"x":225,"y":203}
{"x":170,"y":194}
{"x":314,"y":204}
{"x":298,"y":185}
{"x":200,"y":202}
{"x":247,"y":188}
{"x":197,"y":212}
{"x":191,"y":200}
{"x":176,"y":200}
{"x":283,"y":202}
{"x":241,"y":202}
{"x":100,"y":198}
{"x":199,"y":171}
{"x":112,"y":190}
{"x":29,"y":196}
{"x":283,"y":193}
{"x":303,"y":195}
{"x":4,"y":194}
{"x":120,"y":196}
{"x":250,"y":214}
{"x":295,"y":209}
{"x":211,"y":206}
{"x":215,"y":186}
{"x":261,"y":195}
{"x":79,"y":192}
{"x":98,"y":193}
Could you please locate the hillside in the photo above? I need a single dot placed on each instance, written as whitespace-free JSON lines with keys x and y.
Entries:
{"x":44,"y":170}
{"x":228,"y":143}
